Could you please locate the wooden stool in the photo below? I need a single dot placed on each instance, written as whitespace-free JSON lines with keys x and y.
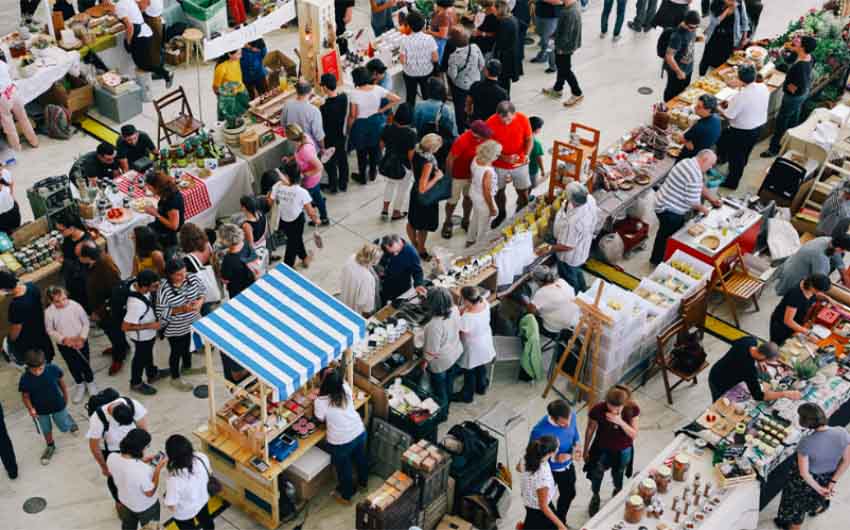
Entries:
{"x":194,"y":45}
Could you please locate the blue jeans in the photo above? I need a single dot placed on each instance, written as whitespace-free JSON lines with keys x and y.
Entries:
{"x":606,"y":14}
{"x":474,"y":382}
{"x":546,"y":30}
{"x":644,"y":13}
{"x":442,"y":385}
{"x":573,"y":276}
{"x":617,"y":462}
{"x":64,"y":422}
{"x":342,"y":457}
{"x":788,"y":116}
{"x":318,"y":200}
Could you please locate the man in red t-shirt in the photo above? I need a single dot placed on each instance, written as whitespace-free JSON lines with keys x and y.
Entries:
{"x":513,"y":130}
{"x":612,"y":427}
{"x":457,"y":165}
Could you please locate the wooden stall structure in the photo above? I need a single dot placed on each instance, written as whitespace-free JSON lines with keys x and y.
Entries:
{"x":284,"y":330}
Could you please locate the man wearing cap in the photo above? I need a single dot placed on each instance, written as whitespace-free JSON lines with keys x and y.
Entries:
{"x":747,"y":114}
{"x":821,"y":255}
{"x":835,"y":210}
{"x":741,"y":363}
{"x":132,"y":145}
{"x":458,"y":167}
{"x":485,"y":95}
{"x":704,"y":133}
{"x":573,"y":231}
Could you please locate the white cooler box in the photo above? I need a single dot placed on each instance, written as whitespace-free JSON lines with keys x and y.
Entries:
{"x":311,"y":473}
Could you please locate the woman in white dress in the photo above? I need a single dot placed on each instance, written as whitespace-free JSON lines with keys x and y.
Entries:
{"x":482,"y":189}
{"x":477,"y":338}
{"x":359,"y":281}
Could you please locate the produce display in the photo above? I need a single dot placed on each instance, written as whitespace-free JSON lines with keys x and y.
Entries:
{"x":32,"y":256}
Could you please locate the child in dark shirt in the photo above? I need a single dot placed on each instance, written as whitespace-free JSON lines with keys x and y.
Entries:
{"x":46,"y":398}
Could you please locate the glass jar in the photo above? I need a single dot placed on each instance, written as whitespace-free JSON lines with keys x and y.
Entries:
{"x":681,"y":465}
{"x":634,"y":509}
{"x":662,"y":478}
{"x":647,"y":490}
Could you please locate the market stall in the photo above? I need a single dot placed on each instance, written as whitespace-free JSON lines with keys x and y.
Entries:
{"x":680,"y":488}
{"x":284,"y":330}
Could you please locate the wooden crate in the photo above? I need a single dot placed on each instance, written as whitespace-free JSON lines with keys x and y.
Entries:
{"x":724,"y":482}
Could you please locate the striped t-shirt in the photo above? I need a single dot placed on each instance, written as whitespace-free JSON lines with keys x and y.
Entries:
{"x":171,"y":297}
{"x":682,"y":190}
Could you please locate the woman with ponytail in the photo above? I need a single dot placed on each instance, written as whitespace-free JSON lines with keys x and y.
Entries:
{"x":612,"y":427}
{"x":538,"y":486}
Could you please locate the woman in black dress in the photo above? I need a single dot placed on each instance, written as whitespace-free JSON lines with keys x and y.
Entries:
{"x":424,"y":218}
{"x":790,"y":314}
{"x":728,"y":29}
{"x":507,"y":46}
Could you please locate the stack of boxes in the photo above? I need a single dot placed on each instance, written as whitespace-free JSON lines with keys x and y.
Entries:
{"x":429,"y":466}
{"x":393,"y":505}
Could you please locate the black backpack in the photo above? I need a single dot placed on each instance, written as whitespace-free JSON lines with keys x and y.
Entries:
{"x":664,"y":42}
{"x":118,"y":300}
{"x":107,"y":395}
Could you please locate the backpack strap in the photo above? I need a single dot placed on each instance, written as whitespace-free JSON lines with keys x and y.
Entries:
{"x":102,"y":417}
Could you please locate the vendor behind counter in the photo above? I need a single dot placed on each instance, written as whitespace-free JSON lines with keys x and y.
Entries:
{"x":789,"y":315}
{"x":741,"y":364}
{"x":821,"y":255}
{"x":401,"y":268}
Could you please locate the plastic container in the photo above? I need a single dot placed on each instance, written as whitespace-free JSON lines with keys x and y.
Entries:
{"x":203,"y":9}
{"x":427,"y":428}
{"x":681,"y":465}
{"x":311,"y":463}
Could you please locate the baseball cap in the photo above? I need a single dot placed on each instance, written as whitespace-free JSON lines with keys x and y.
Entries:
{"x":479,"y":128}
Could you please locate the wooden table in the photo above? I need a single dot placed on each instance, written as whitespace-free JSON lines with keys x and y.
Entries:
{"x":255,"y":492}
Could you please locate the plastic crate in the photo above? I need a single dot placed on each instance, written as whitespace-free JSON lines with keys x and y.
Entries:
{"x":470,"y":475}
{"x":431,"y":485}
{"x":386,"y":445}
{"x":426,"y":429}
{"x":203,"y":9}
{"x":430,"y":516}
{"x":402,"y":514}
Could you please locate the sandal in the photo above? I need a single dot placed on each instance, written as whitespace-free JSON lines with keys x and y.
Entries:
{"x":397,"y":217}
{"x":447,"y":231}
{"x":385,"y":215}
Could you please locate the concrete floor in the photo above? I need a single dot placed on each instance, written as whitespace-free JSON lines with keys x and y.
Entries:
{"x":610,"y":74}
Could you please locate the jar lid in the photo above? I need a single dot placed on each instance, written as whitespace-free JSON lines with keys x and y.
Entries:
{"x":648,"y":483}
{"x":682,"y":458}
{"x":664,"y":471}
{"x":635,"y":500}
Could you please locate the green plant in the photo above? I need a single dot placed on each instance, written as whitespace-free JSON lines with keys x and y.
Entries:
{"x":426,"y":7}
{"x":805,"y":369}
{"x":232,"y":103}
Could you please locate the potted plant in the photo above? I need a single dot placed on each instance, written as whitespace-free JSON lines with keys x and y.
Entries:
{"x":805,"y":369}
{"x":232,"y":105}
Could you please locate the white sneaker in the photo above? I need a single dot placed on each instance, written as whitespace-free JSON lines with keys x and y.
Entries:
{"x":79,"y":393}
{"x":91,"y":388}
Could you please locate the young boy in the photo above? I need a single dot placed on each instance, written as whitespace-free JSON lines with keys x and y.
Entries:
{"x":536,"y":157}
{"x":46,"y":398}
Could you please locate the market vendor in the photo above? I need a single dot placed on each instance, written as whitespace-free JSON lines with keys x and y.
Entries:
{"x":573,"y":231}
{"x":401,"y":268}
{"x":133,"y":145}
{"x":553,"y":302}
{"x":139,"y":39}
{"x":228,"y":71}
{"x":821,"y":255}
{"x":790,"y":314}
{"x":704,"y":133}
{"x":836,"y":208}
{"x":741,"y":364}
{"x":682,"y":191}
{"x":170,"y":212}
{"x":98,"y":164}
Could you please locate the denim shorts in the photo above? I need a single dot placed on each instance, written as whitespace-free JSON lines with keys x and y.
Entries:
{"x":63,"y":421}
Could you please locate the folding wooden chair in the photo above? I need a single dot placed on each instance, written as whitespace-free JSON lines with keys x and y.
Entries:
{"x":734,"y":281}
{"x":694,"y":309}
{"x":667,"y":340}
{"x":183,"y":125}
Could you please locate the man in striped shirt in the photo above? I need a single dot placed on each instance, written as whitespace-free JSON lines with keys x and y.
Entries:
{"x":682,"y":191}
{"x":835,"y":209}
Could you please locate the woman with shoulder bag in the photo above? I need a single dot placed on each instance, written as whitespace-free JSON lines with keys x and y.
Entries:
{"x":186,"y":488}
{"x":398,"y":140}
{"x":424,"y":213}
{"x":464,"y":68}
{"x":434,"y":115}
{"x":196,"y":245}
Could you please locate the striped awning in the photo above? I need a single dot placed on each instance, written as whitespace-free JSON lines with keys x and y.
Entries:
{"x":284,"y":329}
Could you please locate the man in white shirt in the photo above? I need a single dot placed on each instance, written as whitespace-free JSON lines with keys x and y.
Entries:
{"x":140,"y":324}
{"x":152,"y":15}
{"x":573,"y":231}
{"x":747,"y":114}
{"x":553,"y":302}
{"x":418,"y":56}
{"x":108,"y":425}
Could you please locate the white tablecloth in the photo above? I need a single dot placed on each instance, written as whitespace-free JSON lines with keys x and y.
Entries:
{"x":226,"y":186}
{"x":739,"y":509}
{"x":52,"y":67}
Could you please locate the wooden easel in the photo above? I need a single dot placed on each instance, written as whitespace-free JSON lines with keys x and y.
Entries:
{"x":589,"y":328}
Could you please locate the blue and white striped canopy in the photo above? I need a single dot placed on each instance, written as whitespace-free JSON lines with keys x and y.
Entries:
{"x":284,"y":329}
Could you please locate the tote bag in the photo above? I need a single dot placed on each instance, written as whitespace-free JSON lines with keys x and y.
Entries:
{"x":207,"y":276}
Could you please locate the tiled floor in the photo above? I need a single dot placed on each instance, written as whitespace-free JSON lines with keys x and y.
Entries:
{"x":610,"y":74}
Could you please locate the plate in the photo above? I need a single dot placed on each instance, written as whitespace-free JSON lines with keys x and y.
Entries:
{"x":710,"y":242}
{"x":625,"y":186}
{"x":643,"y":180}
{"x":141,"y":203}
{"x":118,"y":215}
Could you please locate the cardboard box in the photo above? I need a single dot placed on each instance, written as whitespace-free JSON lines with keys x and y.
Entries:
{"x":453,"y":522}
{"x":77,"y":99}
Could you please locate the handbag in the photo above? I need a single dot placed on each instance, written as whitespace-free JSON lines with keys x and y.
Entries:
{"x":440,"y":191}
{"x":207,"y":277}
{"x":214,"y":486}
{"x":391,"y":166}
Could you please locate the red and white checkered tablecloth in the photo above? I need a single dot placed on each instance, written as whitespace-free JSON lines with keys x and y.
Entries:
{"x":195,"y":199}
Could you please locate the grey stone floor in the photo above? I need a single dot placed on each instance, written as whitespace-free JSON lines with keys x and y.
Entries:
{"x":609,"y":73}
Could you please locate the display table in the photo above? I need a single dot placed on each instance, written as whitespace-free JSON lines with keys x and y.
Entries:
{"x":267,"y":157}
{"x":50,"y":68}
{"x":614,"y":204}
{"x":226,"y":186}
{"x":743,"y":228}
{"x":738,"y":508}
